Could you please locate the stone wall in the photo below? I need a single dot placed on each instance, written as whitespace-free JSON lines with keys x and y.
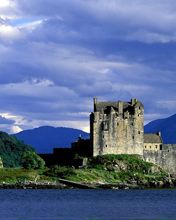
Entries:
{"x":165,"y":158}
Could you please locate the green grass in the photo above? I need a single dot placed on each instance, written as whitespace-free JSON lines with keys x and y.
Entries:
{"x":100,"y":169}
{"x":12,"y":175}
{"x":18,"y":175}
{"x":124,"y":162}
{"x":111,"y":169}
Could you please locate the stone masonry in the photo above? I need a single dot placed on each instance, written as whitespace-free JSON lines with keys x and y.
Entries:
{"x":117,"y":127}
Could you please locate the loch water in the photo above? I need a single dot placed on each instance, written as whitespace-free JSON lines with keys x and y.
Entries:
{"x":87,"y":204}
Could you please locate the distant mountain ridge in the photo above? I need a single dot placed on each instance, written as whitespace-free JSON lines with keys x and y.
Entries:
{"x":45,"y":138}
{"x":167,"y":126}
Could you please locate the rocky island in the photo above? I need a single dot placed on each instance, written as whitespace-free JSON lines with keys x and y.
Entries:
{"x":105,"y":172}
{"x":118,"y":155}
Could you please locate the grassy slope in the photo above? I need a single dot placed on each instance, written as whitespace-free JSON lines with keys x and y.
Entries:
{"x":18,"y":175}
{"x":112,"y":169}
{"x":101,"y":169}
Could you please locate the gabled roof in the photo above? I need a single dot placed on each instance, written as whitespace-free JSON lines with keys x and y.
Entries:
{"x":152,"y":138}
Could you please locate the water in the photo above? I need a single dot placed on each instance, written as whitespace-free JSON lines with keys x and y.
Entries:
{"x":88,"y":205}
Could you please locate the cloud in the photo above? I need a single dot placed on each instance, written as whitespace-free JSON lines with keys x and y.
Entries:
{"x":8,"y":9}
{"x":5,"y":121}
{"x":110,"y":19}
{"x":8,"y":32}
{"x":15,"y":129}
{"x":57,"y":55}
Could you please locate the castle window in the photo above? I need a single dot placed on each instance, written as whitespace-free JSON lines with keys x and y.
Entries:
{"x":133,"y":137}
{"x":160,"y":146}
{"x":106,"y":145}
{"x":150,"y":147}
{"x":105,"y":125}
{"x":139,"y":132}
{"x":145,"y":147}
{"x":156,"y":146}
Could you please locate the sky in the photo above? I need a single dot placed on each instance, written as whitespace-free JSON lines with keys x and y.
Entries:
{"x":55,"y":56}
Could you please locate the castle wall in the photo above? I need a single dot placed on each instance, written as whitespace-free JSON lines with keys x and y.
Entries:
{"x":165,"y":158}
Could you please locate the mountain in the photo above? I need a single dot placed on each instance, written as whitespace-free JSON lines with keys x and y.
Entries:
{"x":45,"y":138}
{"x":167,"y":126}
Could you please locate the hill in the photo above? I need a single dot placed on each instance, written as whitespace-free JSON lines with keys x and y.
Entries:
{"x":45,"y":138}
{"x":13,"y":151}
{"x":167,"y":126}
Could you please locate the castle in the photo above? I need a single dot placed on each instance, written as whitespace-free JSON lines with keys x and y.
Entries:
{"x":118,"y":128}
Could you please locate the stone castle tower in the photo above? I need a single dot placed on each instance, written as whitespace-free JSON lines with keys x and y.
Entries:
{"x":117,"y":127}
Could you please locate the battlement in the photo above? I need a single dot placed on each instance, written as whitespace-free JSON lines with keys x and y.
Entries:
{"x":118,"y":106}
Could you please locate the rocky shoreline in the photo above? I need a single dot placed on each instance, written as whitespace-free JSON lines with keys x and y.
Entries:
{"x":33,"y":185}
{"x":66,"y":184}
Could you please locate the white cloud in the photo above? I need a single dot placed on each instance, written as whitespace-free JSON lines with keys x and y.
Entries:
{"x":9,"y":33}
{"x":30,"y":26}
{"x":5,"y":3}
{"x":15,"y":129}
{"x":8,"y":9}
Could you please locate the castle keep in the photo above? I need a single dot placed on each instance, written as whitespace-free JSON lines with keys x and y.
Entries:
{"x":117,"y":127}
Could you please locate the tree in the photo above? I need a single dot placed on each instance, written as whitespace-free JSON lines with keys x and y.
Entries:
{"x":31,"y":160}
{"x":12,"y":150}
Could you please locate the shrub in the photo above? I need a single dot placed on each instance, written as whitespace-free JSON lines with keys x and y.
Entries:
{"x":60,"y":171}
{"x":131,"y":163}
{"x":31,"y":160}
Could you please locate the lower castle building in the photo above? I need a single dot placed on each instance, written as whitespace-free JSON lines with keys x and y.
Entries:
{"x":118,"y":128}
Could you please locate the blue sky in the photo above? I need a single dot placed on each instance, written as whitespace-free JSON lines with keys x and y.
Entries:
{"x":55,"y":56}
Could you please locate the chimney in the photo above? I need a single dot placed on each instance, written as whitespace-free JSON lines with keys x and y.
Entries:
{"x":133,"y":101}
{"x":159,"y":133}
{"x":120,"y":107}
{"x":95,"y":102}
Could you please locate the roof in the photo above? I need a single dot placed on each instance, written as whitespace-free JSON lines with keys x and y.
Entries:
{"x":104,"y":105}
{"x":152,"y":138}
